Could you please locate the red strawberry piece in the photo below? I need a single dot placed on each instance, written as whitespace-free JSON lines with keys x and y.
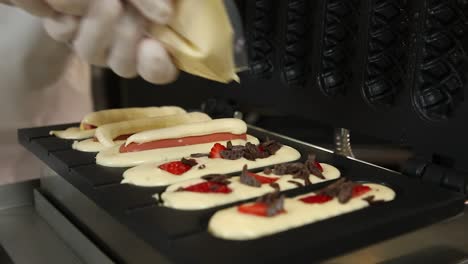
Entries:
{"x":316,"y":199}
{"x":359,"y":190}
{"x":263,"y":179}
{"x":317,"y":164}
{"x":259,"y":209}
{"x":175,"y":167}
{"x":215,"y":152}
{"x":208,"y":187}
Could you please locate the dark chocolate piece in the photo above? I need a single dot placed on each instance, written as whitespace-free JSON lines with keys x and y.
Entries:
{"x":199,"y":155}
{"x":297,"y":169}
{"x":275,"y":186}
{"x":341,"y":189}
{"x":270,"y":146}
{"x":268,"y":171}
{"x":232,"y":152}
{"x":218,"y":178}
{"x":332,"y":189}
{"x":274,"y":201}
{"x":346,"y":192}
{"x":189,"y":162}
{"x":251,"y":151}
{"x":298,"y":184}
{"x":201,"y":167}
{"x":371,"y":200}
{"x":276,"y":206}
{"x":249,"y":180}
{"x":312,"y":166}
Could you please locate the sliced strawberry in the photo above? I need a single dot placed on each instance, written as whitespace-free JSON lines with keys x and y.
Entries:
{"x":259,"y":209}
{"x":263,"y":179}
{"x":215,"y":152}
{"x":316,"y":199}
{"x":317,"y":164}
{"x":359,"y":190}
{"x":175,"y":167}
{"x":208,"y":187}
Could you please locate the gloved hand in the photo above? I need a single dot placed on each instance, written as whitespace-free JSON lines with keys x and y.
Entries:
{"x":110,"y":33}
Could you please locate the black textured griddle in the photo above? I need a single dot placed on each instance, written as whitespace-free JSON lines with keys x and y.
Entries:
{"x":182,"y":235}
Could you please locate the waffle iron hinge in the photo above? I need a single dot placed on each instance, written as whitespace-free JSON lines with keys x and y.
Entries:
{"x":436,"y":173}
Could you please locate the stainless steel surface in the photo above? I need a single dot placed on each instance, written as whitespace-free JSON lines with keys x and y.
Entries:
{"x":122,"y":243}
{"x":4,"y":257}
{"x":15,"y":195}
{"x":445,"y":242}
{"x":319,"y":147}
{"x":25,"y":236}
{"x":342,"y":142}
{"x":80,"y":244}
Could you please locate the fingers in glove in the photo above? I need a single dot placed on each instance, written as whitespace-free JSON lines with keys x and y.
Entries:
{"x":129,"y":32}
{"x":158,"y":11}
{"x":61,"y":27}
{"x":154,"y":63}
{"x":96,"y":31}
{"x":35,"y":7}
{"x":69,"y":7}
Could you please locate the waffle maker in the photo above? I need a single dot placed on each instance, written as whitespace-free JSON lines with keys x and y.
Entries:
{"x":392,"y":69}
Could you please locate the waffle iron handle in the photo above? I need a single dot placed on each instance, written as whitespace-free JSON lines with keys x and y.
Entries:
{"x":427,"y":171}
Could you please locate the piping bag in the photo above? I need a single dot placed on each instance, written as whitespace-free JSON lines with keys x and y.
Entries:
{"x":205,"y":38}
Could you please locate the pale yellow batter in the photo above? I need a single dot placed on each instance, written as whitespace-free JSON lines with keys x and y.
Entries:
{"x":233,"y":225}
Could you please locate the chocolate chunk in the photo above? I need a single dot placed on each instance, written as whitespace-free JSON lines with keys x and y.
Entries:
{"x":275,"y":186}
{"x":189,"y":162}
{"x":332,"y":189}
{"x":270,"y":146}
{"x":251,"y":151}
{"x":231,"y":154}
{"x":180,"y":189}
{"x":201,"y":167}
{"x":346,"y":192}
{"x":297,"y":169}
{"x":341,"y":189}
{"x":276,"y":206}
{"x":298,"y":184}
{"x":249,"y":180}
{"x":312,"y":166}
{"x":371,"y":200}
{"x":199,"y":155}
{"x":274,"y":201}
{"x":218,"y":178}
{"x":268,"y":171}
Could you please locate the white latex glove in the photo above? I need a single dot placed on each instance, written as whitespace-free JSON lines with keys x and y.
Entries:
{"x":110,"y":33}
